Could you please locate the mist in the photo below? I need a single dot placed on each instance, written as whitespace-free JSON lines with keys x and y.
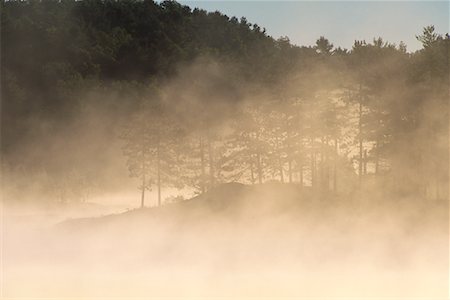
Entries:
{"x":154,"y":150}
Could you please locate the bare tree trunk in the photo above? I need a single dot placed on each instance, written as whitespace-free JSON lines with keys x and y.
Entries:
{"x":281,"y":169}
{"x":202,"y":161}
{"x":335,"y":165}
{"x":318,"y":168}
{"x":158,"y":154}
{"x":360,"y":173}
{"x":377,"y":158}
{"x":321,"y":166}
{"x":324,"y":164}
{"x":365,"y":163}
{"x":289,"y":154}
{"x":314,"y":170}
{"x":301,"y":174}
{"x":300,"y":150}
{"x":211,"y":162}
{"x":280,"y":160}
{"x":300,"y":163}
{"x":252,"y":172}
{"x":143,"y":190}
{"x":313,"y":158}
{"x":327,"y":163}
{"x":143,"y":177}
{"x":290,"y":170}
{"x":260,"y":172}
{"x":436,"y":176}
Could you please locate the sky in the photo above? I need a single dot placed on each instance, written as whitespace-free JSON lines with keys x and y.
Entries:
{"x":342,"y":22}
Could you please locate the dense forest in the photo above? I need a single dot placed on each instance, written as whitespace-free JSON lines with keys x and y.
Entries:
{"x":194,"y":99}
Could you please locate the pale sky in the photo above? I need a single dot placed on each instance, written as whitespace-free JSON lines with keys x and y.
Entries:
{"x":340,"y":21}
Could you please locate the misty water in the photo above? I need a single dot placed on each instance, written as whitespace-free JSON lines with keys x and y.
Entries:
{"x":236,"y":241}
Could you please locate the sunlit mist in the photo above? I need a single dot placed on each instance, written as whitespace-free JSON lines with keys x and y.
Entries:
{"x":151,"y":150}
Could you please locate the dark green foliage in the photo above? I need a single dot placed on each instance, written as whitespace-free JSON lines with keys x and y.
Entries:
{"x":51,"y":49}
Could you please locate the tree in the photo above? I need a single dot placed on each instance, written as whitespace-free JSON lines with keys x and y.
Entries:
{"x":247,"y":144}
{"x":323,"y":46}
{"x":149,"y":140}
{"x":428,"y":37}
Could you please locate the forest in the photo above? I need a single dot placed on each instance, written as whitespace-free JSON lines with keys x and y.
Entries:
{"x":193,"y":99}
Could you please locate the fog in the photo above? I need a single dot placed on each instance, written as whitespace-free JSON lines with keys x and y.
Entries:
{"x":239,"y":242}
{"x":270,"y":171}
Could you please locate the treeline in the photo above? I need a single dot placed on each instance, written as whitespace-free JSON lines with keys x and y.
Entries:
{"x":61,"y":60}
{"x":199,"y":98}
{"x":356,"y":119}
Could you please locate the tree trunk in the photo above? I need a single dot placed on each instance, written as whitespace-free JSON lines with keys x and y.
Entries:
{"x":335,"y":165}
{"x":260,"y":173}
{"x":365,"y":163}
{"x":327,"y":163}
{"x":143,"y":177}
{"x":300,"y":163}
{"x":289,"y":154}
{"x":301,"y":174}
{"x":314,"y":170}
{"x":300,"y":148}
{"x":360,"y":173}
{"x":252,"y":174}
{"x":290,"y":170}
{"x":143,"y":190}
{"x":211,"y":163}
{"x":202,"y":161}
{"x":324,"y":164}
{"x":313,"y":158}
{"x":158,"y":154}
{"x":280,"y":160}
{"x":318,"y":162}
{"x":436,"y":176}
{"x":377,"y":157}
